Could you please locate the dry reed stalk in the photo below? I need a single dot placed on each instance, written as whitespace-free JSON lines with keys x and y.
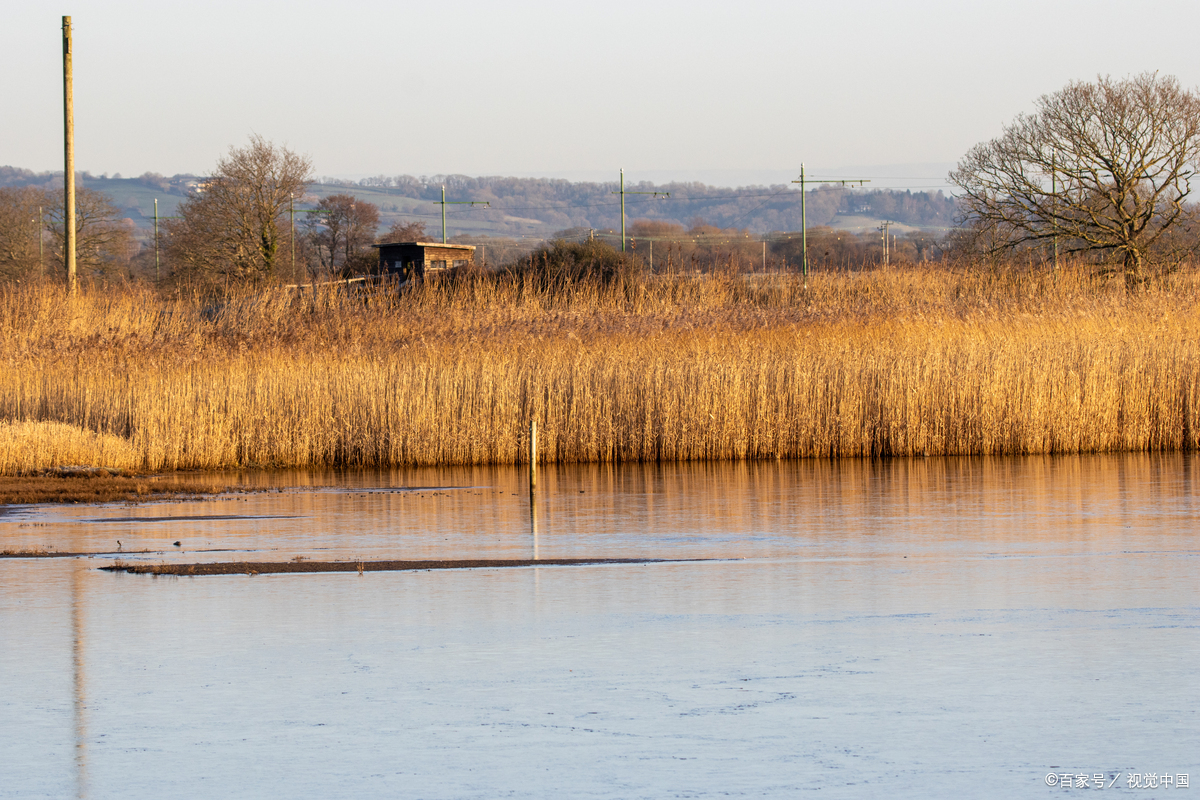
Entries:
{"x":903,"y":362}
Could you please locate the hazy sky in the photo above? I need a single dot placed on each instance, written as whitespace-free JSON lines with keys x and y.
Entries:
{"x":685,"y":90}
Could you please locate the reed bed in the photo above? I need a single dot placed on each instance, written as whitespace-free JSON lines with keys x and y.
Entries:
{"x":639,"y":368}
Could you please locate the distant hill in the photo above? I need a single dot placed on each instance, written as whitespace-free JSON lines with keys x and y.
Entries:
{"x":134,"y":196}
{"x":537,"y":207}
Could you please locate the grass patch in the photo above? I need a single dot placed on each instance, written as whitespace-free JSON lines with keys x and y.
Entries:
{"x":37,"y":489}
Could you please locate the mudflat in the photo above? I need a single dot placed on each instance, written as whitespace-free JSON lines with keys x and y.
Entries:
{"x":269,"y":567}
{"x":99,"y":486}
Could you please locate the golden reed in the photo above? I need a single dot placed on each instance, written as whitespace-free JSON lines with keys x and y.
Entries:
{"x":886,"y":363}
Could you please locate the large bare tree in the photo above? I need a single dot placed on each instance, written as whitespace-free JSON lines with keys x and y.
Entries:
{"x":104,"y":241}
{"x":342,"y":231}
{"x":235,"y":228}
{"x":21,"y":229}
{"x":1100,"y":167}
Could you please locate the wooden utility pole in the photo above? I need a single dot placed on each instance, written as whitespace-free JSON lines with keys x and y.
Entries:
{"x":69,"y":145}
{"x":885,"y":227}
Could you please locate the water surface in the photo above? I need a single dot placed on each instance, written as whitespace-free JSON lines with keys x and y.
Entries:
{"x":909,"y":628}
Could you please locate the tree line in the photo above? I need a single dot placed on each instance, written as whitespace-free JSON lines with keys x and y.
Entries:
{"x":1100,"y":171}
{"x":562,"y":204}
{"x":540,"y":206}
{"x":252,"y":220}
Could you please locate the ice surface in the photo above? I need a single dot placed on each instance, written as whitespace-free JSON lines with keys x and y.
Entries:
{"x":925,"y":628}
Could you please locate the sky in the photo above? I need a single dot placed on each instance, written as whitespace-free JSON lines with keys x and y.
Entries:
{"x":724,"y":93}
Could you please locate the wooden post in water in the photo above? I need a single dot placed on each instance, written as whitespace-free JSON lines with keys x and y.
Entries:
{"x":532,"y":458}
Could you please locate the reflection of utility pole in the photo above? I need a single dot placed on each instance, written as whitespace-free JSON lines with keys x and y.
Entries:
{"x":69,"y":148}
{"x":446,"y":202}
{"x":804,"y":212}
{"x":79,"y":676}
{"x":884,"y":227}
{"x":622,"y":192}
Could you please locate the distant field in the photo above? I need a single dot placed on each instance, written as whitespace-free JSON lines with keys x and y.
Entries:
{"x":860,"y":224}
{"x":136,"y":200}
{"x":394,"y":207}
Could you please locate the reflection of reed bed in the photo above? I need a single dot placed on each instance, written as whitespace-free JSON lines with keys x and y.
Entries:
{"x":887,"y":363}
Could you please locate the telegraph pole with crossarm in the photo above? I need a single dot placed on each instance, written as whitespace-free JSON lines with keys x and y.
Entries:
{"x":446,"y":202}
{"x":622,"y":192}
{"x":804,"y":211}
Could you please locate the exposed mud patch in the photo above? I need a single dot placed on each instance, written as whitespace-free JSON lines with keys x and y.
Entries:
{"x":96,"y":487}
{"x":273,"y":567}
{"x":195,"y":518}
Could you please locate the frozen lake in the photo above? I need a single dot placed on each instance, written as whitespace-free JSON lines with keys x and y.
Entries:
{"x":911,"y":628}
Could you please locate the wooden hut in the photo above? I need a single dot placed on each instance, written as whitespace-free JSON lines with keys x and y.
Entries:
{"x":414,"y":260}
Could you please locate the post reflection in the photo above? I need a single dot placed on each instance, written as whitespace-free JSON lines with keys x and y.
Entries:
{"x":533,"y":526}
{"x":78,"y":651}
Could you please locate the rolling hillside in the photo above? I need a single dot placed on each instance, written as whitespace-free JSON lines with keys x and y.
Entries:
{"x":536,"y":207}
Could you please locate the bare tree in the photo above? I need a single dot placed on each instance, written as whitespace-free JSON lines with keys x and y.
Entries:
{"x":405,"y":232}
{"x":104,"y":241}
{"x":343,"y":231}
{"x":235,"y":226}
{"x":1102,"y":167}
{"x":21,"y":230}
